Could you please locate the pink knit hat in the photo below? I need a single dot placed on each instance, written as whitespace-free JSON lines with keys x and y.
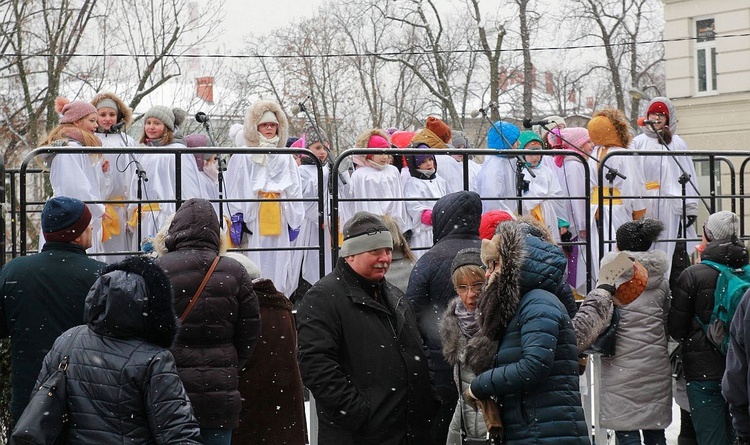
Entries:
{"x":73,"y":111}
{"x":574,"y":139}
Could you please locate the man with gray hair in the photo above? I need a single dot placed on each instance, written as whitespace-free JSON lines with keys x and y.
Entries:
{"x":360,"y":352}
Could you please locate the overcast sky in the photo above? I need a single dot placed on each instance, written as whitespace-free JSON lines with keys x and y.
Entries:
{"x":261,"y":16}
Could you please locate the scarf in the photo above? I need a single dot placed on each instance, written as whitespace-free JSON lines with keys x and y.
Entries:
{"x":426,"y":174}
{"x":262,"y":158}
{"x":467,"y":321}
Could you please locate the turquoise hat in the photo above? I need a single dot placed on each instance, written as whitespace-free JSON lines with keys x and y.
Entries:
{"x":508,"y":138}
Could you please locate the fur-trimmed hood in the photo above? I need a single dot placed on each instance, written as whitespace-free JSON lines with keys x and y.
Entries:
{"x":454,"y":341}
{"x":124,"y":113}
{"x":500,"y":298}
{"x":253,"y":115}
{"x":655,"y":262}
{"x":132,"y":299}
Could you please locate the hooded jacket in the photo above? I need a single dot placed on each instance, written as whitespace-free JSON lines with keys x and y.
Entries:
{"x":123,"y":385}
{"x":220,"y":332}
{"x":364,"y":362}
{"x":636,"y":391}
{"x":253,"y":115}
{"x":525,"y":353}
{"x":693,"y":296}
{"x":456,"y":219}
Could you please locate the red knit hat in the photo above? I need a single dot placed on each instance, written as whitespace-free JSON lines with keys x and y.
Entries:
{"x":489,"y":222}
{"x":658,"y":107}
{"x":440,"y":128}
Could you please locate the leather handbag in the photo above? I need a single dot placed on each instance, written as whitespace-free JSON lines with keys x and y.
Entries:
{"x":45,"y":419}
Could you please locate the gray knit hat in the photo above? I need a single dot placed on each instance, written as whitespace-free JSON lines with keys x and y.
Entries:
{"x":460,"y":139}
{"x":311,"y":136}
{"x":471,"y":256}
{"x":721,"y":225}
{"x":364,"y":232}
{"x":170,"y":117}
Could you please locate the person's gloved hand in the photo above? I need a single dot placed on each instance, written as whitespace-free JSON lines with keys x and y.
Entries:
{"x":293,"y":233}
{"x":470,"y":399}
{"x":690,"y":220}
{"x":427,"y":217}
{"x":610,"y":272}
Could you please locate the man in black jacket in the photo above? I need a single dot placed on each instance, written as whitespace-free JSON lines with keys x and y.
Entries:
{"x":360,"y":352}
{"x":43,"y":294}
{"x":693,"y":300}
{"x":456,"y":218}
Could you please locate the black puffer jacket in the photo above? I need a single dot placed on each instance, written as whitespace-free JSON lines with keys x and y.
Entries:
{"x":694,"y":295}
{"x":220,"y":332}
{"x":456,"y":219}
{"x":123,"y":385}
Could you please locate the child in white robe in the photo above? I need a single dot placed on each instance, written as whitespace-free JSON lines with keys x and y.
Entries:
{"x":266,"y":176}
{"x":497,"y":178}
{"x":423,"y":183}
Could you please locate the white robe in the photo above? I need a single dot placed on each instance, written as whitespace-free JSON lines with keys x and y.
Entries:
{"x":661,"y":175}
{"x":244,"y":179}
{"x":621,"y":210}
{"x":452,"y":171}
{"x":498,"y":179}
{"x":572,"y":178}
{"x":80,"y":176}
{"x":474,"y":169}
{"x":161,"y":185}
{"x":422,"y":188}
{"x":369,"y":182}
{"x":544,"y":185}
{"x":117,"y":188}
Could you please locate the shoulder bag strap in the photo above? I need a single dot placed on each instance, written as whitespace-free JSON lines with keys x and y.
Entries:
{"x":200,"y":289}
{"x":464,"y":434}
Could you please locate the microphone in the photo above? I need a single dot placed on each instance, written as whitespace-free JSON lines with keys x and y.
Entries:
{"x":642,"y":122}
{"x":117,"y":127}
{"x":528,"y":123}
{"x":475,"y":113}
{"x":201,"y":117}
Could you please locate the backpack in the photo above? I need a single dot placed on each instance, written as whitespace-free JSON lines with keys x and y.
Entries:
{"x":730,"y":287}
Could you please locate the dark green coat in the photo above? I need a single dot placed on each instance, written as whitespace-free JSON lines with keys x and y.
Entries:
{"x":42,"y":297}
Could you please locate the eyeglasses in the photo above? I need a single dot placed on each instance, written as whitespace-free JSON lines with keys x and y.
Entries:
{"x":475,"y":287}
{"x":268,"y":125}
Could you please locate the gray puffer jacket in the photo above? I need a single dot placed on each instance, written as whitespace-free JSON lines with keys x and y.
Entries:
{"x":454,"y":345}
{"x":123,"y":385}
{"x":636,"y":381}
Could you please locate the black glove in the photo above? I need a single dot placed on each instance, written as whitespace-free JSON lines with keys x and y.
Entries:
{"x":690,"y":220}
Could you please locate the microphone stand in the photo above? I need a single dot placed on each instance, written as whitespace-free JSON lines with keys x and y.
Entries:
{"x":142,"y":177}
{"x":221,"y":167}
{"x":521,"y":184}
{"x":684,"y":179}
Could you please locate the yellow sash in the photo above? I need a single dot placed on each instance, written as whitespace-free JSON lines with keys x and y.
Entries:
{"x":608,"y":191}
{"x":111,"y":219}
{"x":269,"y":214}
{"x":145,"y":207}
{"x":536,"y":212}
{"x":652,"y":185}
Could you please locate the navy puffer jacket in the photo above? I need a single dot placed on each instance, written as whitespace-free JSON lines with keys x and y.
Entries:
{"x":456,"y":219}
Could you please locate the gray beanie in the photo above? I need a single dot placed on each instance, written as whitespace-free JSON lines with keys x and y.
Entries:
{"x":311,"y":136}
{"x":471,"y":256}
{"x":364,"y":232}
{"x":721,"y":225}
{"x":170,"y":117}
{"x":460,"y":139}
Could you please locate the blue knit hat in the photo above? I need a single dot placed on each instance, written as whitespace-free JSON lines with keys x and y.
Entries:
{"x":64,"y":219}
{"x":498,"y":142}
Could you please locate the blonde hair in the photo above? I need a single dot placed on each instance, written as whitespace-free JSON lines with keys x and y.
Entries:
{"x":399,"y":242}
{"x":470,"y":271}
{"x":61,"y":132}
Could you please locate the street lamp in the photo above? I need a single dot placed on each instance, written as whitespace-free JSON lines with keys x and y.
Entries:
{"x":639,"y":94}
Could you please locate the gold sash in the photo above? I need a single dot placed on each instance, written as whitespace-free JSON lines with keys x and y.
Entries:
{"x":608,"y":191}
{"x":145,"y":207}
{"x":652,"y":185}
{"x":111,"y":219}
{"x":269,"y":214}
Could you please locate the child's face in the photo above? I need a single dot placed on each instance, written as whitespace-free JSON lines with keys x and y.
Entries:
{"x":87,"y":123}
{"x":106,"y":117}
{"x":319,"y":151}
{"x":427,"y":164}
{"x":381,"y":159}
{"x":268,"y":129}
{"x":154,"y":128}
{"x":588,"y":147}
{"x":534,"y":160}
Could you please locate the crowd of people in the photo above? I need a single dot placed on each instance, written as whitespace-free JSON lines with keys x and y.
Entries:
{"x":454,"y":311}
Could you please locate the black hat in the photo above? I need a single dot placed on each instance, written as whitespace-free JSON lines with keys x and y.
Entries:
{"x":64,"y":219}
{"x":467,"y":257}
{"x":637,"y":236}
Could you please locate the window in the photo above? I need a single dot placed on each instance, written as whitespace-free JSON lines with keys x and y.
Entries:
{"x":705,"y":55}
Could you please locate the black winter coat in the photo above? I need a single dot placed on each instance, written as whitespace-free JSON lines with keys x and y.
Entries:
{"x":123,"y":385}
{"x":364,"y":362}
{"x":41,"y":296}
{"x":456,"y":219}
{"x":220,"y":332}
{"x":694,"y":295}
